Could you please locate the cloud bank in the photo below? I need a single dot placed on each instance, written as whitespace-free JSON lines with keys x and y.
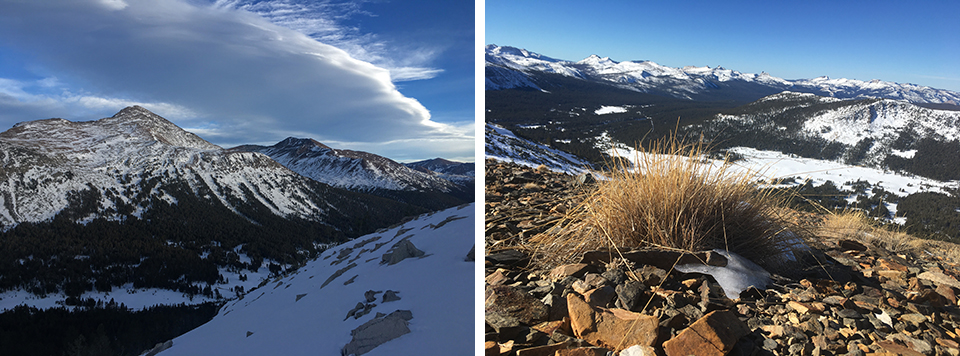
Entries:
{"x":231,"y":74}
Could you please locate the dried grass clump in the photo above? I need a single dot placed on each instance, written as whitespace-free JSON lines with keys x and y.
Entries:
{"x":672,"y":199}
{"x":854,"y":225}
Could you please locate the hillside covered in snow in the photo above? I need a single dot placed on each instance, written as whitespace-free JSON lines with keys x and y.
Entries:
{"x":406,"y":290}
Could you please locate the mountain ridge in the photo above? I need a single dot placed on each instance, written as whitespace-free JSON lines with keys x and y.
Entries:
{"x":510,"y":67}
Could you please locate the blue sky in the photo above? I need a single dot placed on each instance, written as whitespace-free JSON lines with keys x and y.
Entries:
{"x":899,"y":41}
{"x":389,"y":77}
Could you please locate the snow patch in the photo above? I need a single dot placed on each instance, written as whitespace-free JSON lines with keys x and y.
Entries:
{"x":738,"y":275}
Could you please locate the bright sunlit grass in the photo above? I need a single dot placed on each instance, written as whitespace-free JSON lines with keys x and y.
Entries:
{"x":674,"y":199}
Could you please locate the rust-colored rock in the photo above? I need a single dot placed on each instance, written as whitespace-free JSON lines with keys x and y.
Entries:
{"x":615,"y":329}
{"x":549,"y":327}
{"x":897,"y":349}
{"x":714,"y":334}
{"x":490,"y":348}
{"x":497,"y":278}
{"x":575,"y":270}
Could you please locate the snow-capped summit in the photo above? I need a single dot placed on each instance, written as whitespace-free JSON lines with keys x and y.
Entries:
{"x":509,"y":67}
{"x":130,"y":128}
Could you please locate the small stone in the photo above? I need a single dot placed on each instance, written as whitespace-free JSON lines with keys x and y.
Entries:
{"x":614,"y":276}
{"x":691,"y":283}
{"x":769,"y":344}
{"x":913,"y":319}
{"x":773,"y":331}
{"x":390,"y":296}
{"x":546,"y":350}
{"x":799,"y":307}
{"x":948,"y":293}
{"x":850,"y":245}
{"x":939,"y":278}
{"x":714,"y":334}
{"x":600,"y":297}
{"x":834,"y":300}
{"x":849,"y":313}
{"x":497,"y":278}
{"x":629,"y":295}
{"x":507,"y":303}
{"x":490,"y":348}
{"x":638,"y":350}
{"x":897,"y":349}
{"x":572,"y":270}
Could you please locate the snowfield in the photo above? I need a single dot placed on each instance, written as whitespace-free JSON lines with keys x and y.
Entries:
{"x":306,"y":312}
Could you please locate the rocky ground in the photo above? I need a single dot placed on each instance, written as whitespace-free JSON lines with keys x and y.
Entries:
{"x":857,"y":299}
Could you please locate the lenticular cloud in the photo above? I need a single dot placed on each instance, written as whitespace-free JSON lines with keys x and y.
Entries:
{"x":228,"y":66}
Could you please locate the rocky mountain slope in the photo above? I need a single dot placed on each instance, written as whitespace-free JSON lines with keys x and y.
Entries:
{"x":405,"y":290}
{"x":509,"y":67}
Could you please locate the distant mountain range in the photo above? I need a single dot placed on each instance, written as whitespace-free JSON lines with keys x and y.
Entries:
{"x":369,"y":173}
{"x":510,"y":67}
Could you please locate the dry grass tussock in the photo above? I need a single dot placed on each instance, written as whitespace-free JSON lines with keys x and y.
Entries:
{"x":854,"y":225}
{"x":671,"y":199}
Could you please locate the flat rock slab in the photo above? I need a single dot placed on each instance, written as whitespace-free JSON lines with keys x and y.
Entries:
{"x":713,"y":334}
{"x":614,"y":329}
{"x":377,"y":331}
{"x":505,"y":306}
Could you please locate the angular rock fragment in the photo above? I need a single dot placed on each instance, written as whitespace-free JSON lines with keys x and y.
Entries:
{"x":400,"y":251}
{"x":390,"y":296}
{"x":506,"y":306}
{"x":714,"y":334}
{"x":614,"y":329}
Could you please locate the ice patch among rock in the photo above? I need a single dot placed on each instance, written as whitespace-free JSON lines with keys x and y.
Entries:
{"x":738,"y":275}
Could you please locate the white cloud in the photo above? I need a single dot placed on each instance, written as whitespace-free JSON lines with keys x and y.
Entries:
{"x":323,"y":21}
{"x":232,"y":73}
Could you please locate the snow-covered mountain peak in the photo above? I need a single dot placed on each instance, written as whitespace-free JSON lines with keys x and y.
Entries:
{"x":596,"y":60}
{"x":130,"y":128}
{"x":301,"y":145}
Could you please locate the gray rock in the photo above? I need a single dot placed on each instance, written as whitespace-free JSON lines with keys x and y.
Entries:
{"x":160,"y":347}
{"x":377,"y":331}
{"x":849,"y":313}
{"x":371,"y":295}
{"x":400,"y":251}
{"x":353,"y":311}
{"x":390,"y":296}
{"x":629,"y":295}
